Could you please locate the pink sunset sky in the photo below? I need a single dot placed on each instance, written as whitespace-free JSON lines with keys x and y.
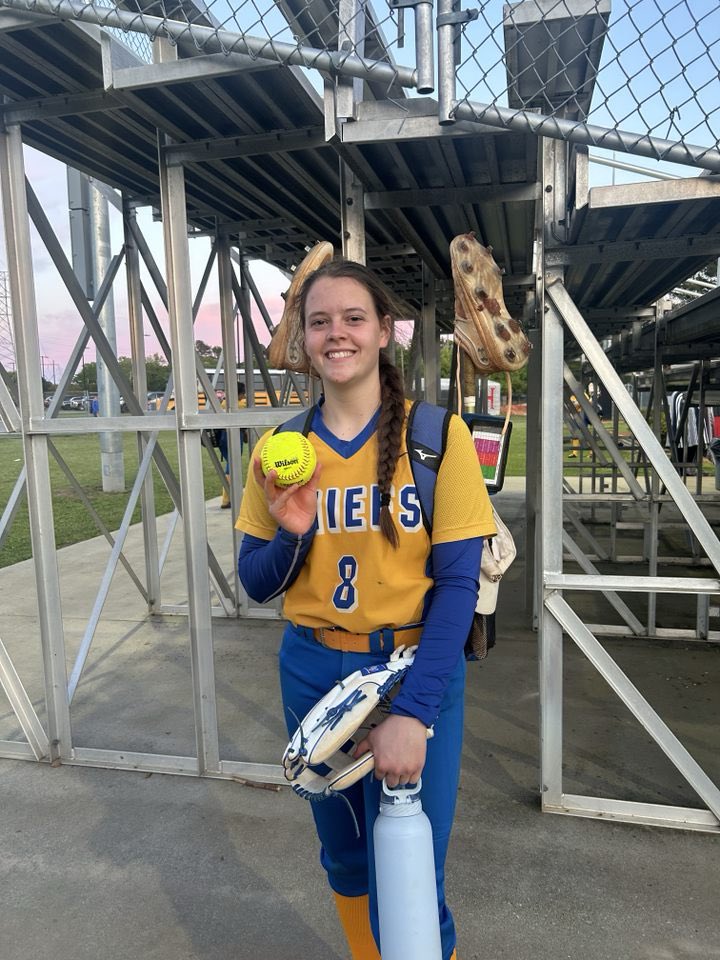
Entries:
{"x":58,"y":320}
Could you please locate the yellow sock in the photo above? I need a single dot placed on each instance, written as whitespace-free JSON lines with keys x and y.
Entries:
{"x":354,"y":916}
{"x":354,"y":913}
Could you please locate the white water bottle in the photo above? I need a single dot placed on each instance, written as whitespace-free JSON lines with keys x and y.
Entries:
{"x":405,"y":877}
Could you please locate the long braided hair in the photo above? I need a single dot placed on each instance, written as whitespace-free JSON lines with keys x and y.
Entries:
{"x":392,"y":391}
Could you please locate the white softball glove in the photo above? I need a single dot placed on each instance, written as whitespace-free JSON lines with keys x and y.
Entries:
{"x":343,"y":718}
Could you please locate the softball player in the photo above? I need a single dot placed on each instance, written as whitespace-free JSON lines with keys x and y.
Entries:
{"x":361,"y":574}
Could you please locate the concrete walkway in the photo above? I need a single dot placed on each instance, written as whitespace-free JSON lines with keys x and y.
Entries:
{"x":103,"y":864}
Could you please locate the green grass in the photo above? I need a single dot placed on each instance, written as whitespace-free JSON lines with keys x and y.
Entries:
{"x":73,"y":523}
{"x":515,"y":466}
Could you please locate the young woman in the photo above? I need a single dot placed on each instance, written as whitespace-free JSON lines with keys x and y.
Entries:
{"x":351,"y":553}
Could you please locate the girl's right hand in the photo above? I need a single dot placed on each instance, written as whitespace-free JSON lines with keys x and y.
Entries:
{"x":292,"y":508}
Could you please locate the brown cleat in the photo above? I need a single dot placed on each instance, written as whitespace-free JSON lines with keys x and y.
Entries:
{"x":484,"y":329}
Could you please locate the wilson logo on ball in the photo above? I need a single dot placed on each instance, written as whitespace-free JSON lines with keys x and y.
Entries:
{"x":291,"y":455}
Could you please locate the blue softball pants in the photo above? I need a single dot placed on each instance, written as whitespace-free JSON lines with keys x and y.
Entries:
{"x":307,"y":671}
{"x":223,"y":448}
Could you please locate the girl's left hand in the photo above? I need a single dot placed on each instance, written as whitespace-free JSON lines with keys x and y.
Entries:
{"x":399,"y":745}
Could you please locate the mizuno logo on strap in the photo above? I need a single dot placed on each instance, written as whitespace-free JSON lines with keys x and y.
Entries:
{"x":425,"y":454}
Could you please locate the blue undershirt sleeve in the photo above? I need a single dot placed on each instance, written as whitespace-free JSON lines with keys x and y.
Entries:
{"x":268,"y":567}
{"x":455,"y":571}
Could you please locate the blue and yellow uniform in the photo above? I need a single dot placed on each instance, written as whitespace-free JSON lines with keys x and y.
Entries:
{"x":344,"y":574}
{"x":223,"y":445}
{"x":352,"y":577}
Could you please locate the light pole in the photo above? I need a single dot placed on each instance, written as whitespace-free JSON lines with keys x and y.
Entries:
{"x":111,"y":442}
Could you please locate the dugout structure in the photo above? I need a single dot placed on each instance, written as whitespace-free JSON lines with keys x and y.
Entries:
{"x":386,"y":129}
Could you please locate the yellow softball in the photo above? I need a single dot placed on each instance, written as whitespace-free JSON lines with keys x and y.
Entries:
{"x":291,"y":455}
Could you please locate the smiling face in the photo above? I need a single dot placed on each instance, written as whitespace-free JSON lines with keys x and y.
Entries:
{"x":343,"y":332}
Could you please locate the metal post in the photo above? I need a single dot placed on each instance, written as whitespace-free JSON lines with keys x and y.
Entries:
{"x":446,"y":63}
{"x":227,"y":319}
{"x":137,"y":337}
{"x":111,"y":442}
{"x":352,"y":215}
{"x":654,"y":520}
{"x":251,"y":380}
{"x":551,"y":500}
{"x":424,"y":53}
{"x":351,"y":40}
{"x":532,"y":472}
{"x":701,"y":432}
{"x":615,"y":508}
{"x":430,"y":337}
{"x":27,"y":345}
{"x":81,"y":230}
{"x":172,"y":192}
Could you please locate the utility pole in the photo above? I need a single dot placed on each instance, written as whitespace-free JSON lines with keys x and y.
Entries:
{"x":90,"y":241}
{"x":111,"y":443}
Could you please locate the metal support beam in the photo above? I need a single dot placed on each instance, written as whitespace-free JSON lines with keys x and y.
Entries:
{"x":447,"y":80}
{"x":22,"y":706}
{"x":553,"y":157}
{"x":9,"y":413}
{"x":451,"y":196}
{"x":192,"y":70}
{"x":252,"y":145}
{"x":532,"y":473}
{"x":27,"y":345}
{"x":704,"y":245}
{"x":352,"y":215}
{"x":227,"y":321}
{"x":137,"y":340}
{"x":172,"y":191}
{"x":112,"y":459}
{"x":430,"y":337}
{"x":350,"y":41}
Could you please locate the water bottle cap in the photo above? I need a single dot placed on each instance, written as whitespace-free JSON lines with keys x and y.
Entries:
{"x":404,"y":795}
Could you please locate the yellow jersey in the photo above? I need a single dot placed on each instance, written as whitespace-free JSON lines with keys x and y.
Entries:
{"x":352,"y":577}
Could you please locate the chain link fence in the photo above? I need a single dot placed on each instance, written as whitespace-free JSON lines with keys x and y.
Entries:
{"x":139,"y":43}
{"x":639,"y":76}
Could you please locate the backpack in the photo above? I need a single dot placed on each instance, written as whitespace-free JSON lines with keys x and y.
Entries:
{"x":426,"y":440}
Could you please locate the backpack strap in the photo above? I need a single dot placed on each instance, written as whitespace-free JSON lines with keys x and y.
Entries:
{"x":426,"y":439}
{"x":301,"y":422}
